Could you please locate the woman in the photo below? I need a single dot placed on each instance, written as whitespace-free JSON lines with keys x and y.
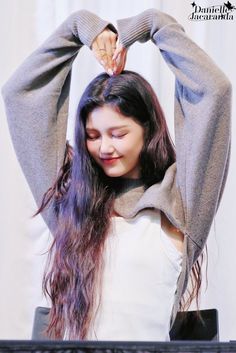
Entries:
{"x":127,"y":230}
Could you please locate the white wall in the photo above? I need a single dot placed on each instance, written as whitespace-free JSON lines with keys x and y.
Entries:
{"x":23,"y":26}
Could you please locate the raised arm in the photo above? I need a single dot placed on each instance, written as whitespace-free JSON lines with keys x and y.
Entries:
{"x":202,"y":116}
{"x":36,"y":99}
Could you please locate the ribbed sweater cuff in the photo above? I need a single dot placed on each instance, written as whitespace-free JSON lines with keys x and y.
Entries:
{"x":85,"y":25}
{"x":142,"y":27}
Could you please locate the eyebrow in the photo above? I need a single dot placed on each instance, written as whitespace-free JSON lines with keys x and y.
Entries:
{"x":110,"y":128}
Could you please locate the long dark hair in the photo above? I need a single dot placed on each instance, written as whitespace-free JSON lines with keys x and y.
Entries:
{"x":83,"y":198}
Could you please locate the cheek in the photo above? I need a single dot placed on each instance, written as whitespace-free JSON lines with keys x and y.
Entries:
{"x":91,"y":147}
{"x":134,"y":145}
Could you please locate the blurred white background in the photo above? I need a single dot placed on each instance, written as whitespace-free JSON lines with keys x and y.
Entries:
{"x":24,"y":25}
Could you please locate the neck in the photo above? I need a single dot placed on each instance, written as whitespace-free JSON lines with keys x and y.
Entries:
{"x":122,"y":185}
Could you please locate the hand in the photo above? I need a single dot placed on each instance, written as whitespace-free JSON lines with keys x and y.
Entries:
{"x":103,"y":47}
{"x":109,"y":52}
{"x":119,"y":58}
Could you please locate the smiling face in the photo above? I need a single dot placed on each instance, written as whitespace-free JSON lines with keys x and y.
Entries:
{"x":115,"y":142}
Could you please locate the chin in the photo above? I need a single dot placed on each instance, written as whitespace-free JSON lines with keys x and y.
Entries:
{"x":114,"y":174}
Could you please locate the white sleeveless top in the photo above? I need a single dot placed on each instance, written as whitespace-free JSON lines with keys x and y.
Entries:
{"x":141,"y":268}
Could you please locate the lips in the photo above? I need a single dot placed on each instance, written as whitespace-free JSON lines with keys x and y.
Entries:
{"x":109,"y":161}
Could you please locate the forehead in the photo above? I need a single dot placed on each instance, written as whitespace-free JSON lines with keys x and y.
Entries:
{"x":106,"y":117}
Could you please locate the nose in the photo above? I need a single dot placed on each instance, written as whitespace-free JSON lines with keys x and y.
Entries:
{"x":106,"y":146}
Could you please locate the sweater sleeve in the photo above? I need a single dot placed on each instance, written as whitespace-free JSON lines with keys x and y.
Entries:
{"x":202,"y":116}
{"x":36,"y":100}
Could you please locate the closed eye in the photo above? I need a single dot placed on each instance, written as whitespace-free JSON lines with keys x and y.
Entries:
{"x":119,"y":135}
{"x":92,"y":138}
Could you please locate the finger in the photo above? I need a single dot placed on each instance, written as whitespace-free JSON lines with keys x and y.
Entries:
{"x":118,"y":66}
{"x":113,"y":42}
{"x":97,"y":52}
{"x":105,"y":44}
{"x":110,"y":46}
{"x":119,"y":49}
{"x":117,"y":52}
{"x":101,"y":49}
{"x":120,"y":62}
{"x":109,"y":53}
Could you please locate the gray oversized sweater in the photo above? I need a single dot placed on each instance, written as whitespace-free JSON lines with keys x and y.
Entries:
{"x":36,"y":99}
